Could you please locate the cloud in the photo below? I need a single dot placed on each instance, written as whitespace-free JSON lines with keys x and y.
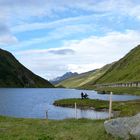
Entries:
{"x":52,"y":8}
{"x":107,"y":48}
{"x":57,"y":34}
{"x":62,"y":51}
{"x":7,"y":40}
{"x":90,"y":53}
{"x":23,"y":27}
{"x":45,"y":7}
{"x":56,"y":51}
{"x":35,"y":8}
{"x":19,"y":15}
{"x":83,"y":67}
{"x":6,"y":37}
{"x":3,"y":29}
{"x":89,"y":33}
{"x":135,"y":11}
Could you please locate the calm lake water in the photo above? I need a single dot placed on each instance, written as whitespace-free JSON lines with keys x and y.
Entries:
{"x":33,"y":103}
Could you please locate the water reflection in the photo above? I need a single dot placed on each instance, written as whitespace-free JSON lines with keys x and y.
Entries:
{"x":33,"y":103}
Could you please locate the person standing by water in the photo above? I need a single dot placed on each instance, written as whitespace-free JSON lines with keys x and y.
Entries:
{"x":82,"y":95}
{"x":86,"y":96}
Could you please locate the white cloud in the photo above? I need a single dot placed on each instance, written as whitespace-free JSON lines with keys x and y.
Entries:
{"x":90,"y":53}
{"x":29,"y":8}
{"x":52,"y":8}
{"x":63,"y":27}
{"x":23,"y":27}
{"x":135,"y":11}
{"x":57,"y":33}
{"x":83,"y":67}
{"x":7,"y":39}
{"x":114,"y":43}
{"x":19,"y":16}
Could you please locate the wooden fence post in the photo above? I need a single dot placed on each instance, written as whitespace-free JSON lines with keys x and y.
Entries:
{"x":75,"y":111}
{"x":46,"y":114}
{"x":110,"y":105}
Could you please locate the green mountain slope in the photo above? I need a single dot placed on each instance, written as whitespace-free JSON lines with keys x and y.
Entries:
{"x":126,"y":69}
{"x":84,"y":80}
{"x":14,"y":74}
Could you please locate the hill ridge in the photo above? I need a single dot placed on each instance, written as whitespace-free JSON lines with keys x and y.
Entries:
{"x":15,"y":74}
{"x":125,"y":70}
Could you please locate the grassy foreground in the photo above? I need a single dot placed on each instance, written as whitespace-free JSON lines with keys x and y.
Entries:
{"x":36,"y":129}
{"x":69,"y":129}
{"x":126,"y":108}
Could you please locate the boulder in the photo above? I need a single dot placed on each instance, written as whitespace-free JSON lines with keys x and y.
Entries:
{"x":125,"y":128}
{"x":135,"y":132}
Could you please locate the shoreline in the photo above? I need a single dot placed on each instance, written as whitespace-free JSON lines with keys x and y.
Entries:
{"x":121,"y":108}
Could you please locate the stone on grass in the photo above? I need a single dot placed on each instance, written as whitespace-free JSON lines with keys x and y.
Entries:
{"x":125,"y":128}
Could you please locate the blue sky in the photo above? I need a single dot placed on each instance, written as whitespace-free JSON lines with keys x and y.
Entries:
{"x":51,"y":37}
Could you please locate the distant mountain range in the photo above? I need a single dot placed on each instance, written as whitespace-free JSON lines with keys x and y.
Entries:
{"x":85,"y":79}
{"x":63,"y":77}
{"x":14,"y":74}
{"x":126,"y":69}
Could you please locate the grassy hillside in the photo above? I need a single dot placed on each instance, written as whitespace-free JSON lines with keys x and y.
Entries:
{"x":126,"y":69}
{"x":14,"y":74}
{"x":85,"y":79}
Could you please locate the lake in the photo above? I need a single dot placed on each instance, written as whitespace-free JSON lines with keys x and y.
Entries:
{"x":34,"y":102}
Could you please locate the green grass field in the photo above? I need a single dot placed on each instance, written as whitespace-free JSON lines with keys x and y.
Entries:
{"x":36,"y":129}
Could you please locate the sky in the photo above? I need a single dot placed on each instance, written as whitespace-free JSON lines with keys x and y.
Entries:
{"x":51,"y":37}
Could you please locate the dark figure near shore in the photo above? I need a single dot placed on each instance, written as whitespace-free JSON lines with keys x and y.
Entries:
{"x":84,"y":96}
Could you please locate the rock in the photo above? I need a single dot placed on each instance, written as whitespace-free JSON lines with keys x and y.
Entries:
{"x":125,"y":128}
{"x":136,"y":132}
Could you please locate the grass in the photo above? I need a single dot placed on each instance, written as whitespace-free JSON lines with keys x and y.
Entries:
{"x":126,"y":108}
{"x":120,"y":90}
{"x":36,"y":129}
{"x":69,"y":129}
{"x":115,"y":90}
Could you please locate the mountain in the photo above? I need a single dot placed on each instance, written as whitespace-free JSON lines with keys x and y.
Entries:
{"x":63,"y":77}
{"x":14,"y":74}
{"x":84,"y":80}
{"x":126,"y":69}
